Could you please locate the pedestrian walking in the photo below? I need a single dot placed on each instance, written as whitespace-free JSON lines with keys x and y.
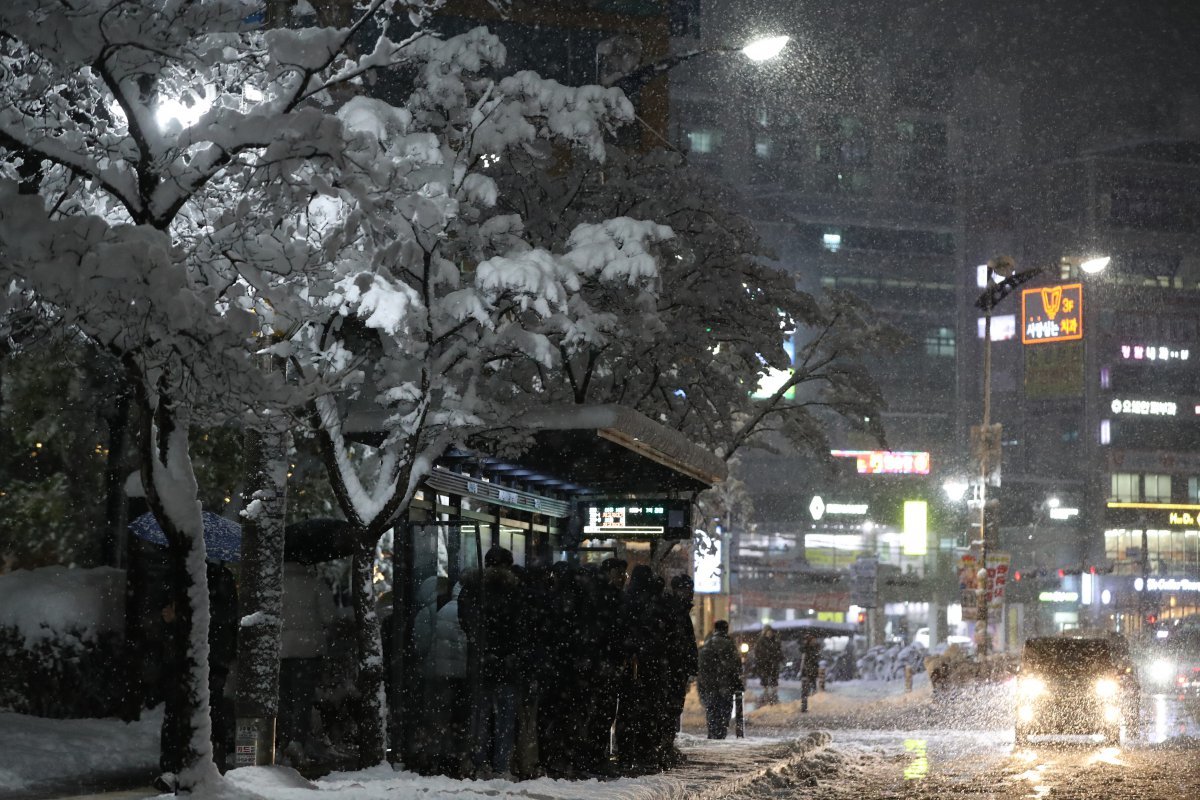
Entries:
{"x":810,"y":668}
{"x":719,"y":677}
{"x":768,"y":660}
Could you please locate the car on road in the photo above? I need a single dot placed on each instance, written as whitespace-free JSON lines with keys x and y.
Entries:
{"x":1070,"y":686}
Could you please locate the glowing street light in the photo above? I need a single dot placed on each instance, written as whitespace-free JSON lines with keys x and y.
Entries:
{"x":1094,"y":265}
{"x":955,"y":489}
{"x":766,"y":48}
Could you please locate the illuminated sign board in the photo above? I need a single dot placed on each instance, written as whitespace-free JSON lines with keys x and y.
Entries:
{"x":819,"y":508}
{"x":665,"y":519}
{"x":1166,"y":585}
{"x":1059,"y":597}
{"x":887,"y":462}
{"x":1004,"y":327}
{"x":916,"y":528}
{"x":1176,"y":515}
{"x":1063,"y":513}
{"x":1156,"y":353}
{"x":709,"y":571}
{"x":1052,"y":314}
{"x":1144,"y":408}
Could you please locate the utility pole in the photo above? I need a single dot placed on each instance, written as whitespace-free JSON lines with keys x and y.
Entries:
{"x":986,"y":439}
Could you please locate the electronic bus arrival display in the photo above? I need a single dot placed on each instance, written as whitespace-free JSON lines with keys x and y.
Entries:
{"x":651,"y":519}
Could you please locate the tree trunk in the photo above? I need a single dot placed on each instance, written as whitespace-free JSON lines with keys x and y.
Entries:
{"x":372,"y":739}
{"x":191,"y":665}
{"x":261,"y":595}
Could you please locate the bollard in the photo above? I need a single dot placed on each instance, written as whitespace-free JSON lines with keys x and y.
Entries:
{"x":820,"y":679}
{"x":908,"y":678}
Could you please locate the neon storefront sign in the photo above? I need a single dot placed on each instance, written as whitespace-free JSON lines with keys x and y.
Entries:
{"x":887,"y":462}
{"x":1144,"y":408}
{"x":1157,"y":353}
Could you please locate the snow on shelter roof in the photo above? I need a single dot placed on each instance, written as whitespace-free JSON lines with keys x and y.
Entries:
{"x":600,"y":438}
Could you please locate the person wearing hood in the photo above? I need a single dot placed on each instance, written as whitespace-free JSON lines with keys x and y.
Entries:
{"x":489,"y":610}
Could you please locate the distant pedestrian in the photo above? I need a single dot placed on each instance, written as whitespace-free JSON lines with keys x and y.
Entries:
{"x":719,"y":677}
{"x":810,"y":668}
{"x":768,"y":660}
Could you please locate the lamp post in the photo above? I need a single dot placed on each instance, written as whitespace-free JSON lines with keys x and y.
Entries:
{"x":986,"y":439}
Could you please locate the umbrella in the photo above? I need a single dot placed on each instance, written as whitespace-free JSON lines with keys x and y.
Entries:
{"x":222,"y":537}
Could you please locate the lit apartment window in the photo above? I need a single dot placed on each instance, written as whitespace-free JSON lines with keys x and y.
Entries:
{"x":940,"y":342}
{"x":831,"y":241}
{"x":1105,"y":431}
{"x":1125,"y":487}
{"x":1156,"y":488}
{"x":762,"y":148}
{"x":702,"y":141}
{"x":1194,"y":490}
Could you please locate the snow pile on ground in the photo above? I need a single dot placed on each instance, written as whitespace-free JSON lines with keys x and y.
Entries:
{"x":37,"y":751}
{"x":887,"y":662}
{"x":62,"y":603}
{"x":713,"y":767}
{"x":845,"y":698}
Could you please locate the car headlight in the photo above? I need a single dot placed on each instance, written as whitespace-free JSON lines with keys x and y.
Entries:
{"x":1107,"y":687}
{"x":1030,"y":686}
{"x":1162,"y":670}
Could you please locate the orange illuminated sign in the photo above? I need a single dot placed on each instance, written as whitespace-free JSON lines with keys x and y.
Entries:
{"x":1052,"y":314}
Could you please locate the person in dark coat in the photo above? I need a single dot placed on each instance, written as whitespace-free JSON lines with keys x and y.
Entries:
{"x":810,"y":666}
{"x":682,"y":662}
{"x":645,"y":678}
{"x":718,"y":678}
{"x":489,"y":611}
{"x":609,"y":665}
{"x":768,"y":660}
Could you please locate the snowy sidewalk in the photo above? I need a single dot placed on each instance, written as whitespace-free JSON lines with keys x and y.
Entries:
{"x":714,"y":769}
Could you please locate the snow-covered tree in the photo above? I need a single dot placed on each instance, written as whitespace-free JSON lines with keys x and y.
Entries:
{"x":154,"y":156}
{"x":691,"y":350}
{"x":435,"y":290}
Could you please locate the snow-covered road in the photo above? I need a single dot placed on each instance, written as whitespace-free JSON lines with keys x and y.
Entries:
{"x":861,"y":764}
{"x":906,"y":748}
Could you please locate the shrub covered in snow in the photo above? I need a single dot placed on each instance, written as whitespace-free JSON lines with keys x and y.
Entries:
{"x":61,"y":639}
{"x":887,"y":662}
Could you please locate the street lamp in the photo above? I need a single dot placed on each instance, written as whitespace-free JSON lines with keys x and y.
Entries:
{"x":986,"y":439}
{"x":1093,"y":266}
{"x":766,"y":48}
{"x":758,"y":51}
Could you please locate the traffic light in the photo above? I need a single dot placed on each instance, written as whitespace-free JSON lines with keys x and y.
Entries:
{"x":1152,"y":619}
{"x":1017,"y":575}
{"x":862,"y":617}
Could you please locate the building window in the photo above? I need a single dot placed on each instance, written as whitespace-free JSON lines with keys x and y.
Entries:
{"x":703,"y":141}
{"x":1156,"y":488}
{"x":762,"y":148}
{"x":1105,"y":431}
{"x":831,"y":241}
{"x":1125,"y":487}
{"x":1194,"y":489}
{"x":940,"y":342}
